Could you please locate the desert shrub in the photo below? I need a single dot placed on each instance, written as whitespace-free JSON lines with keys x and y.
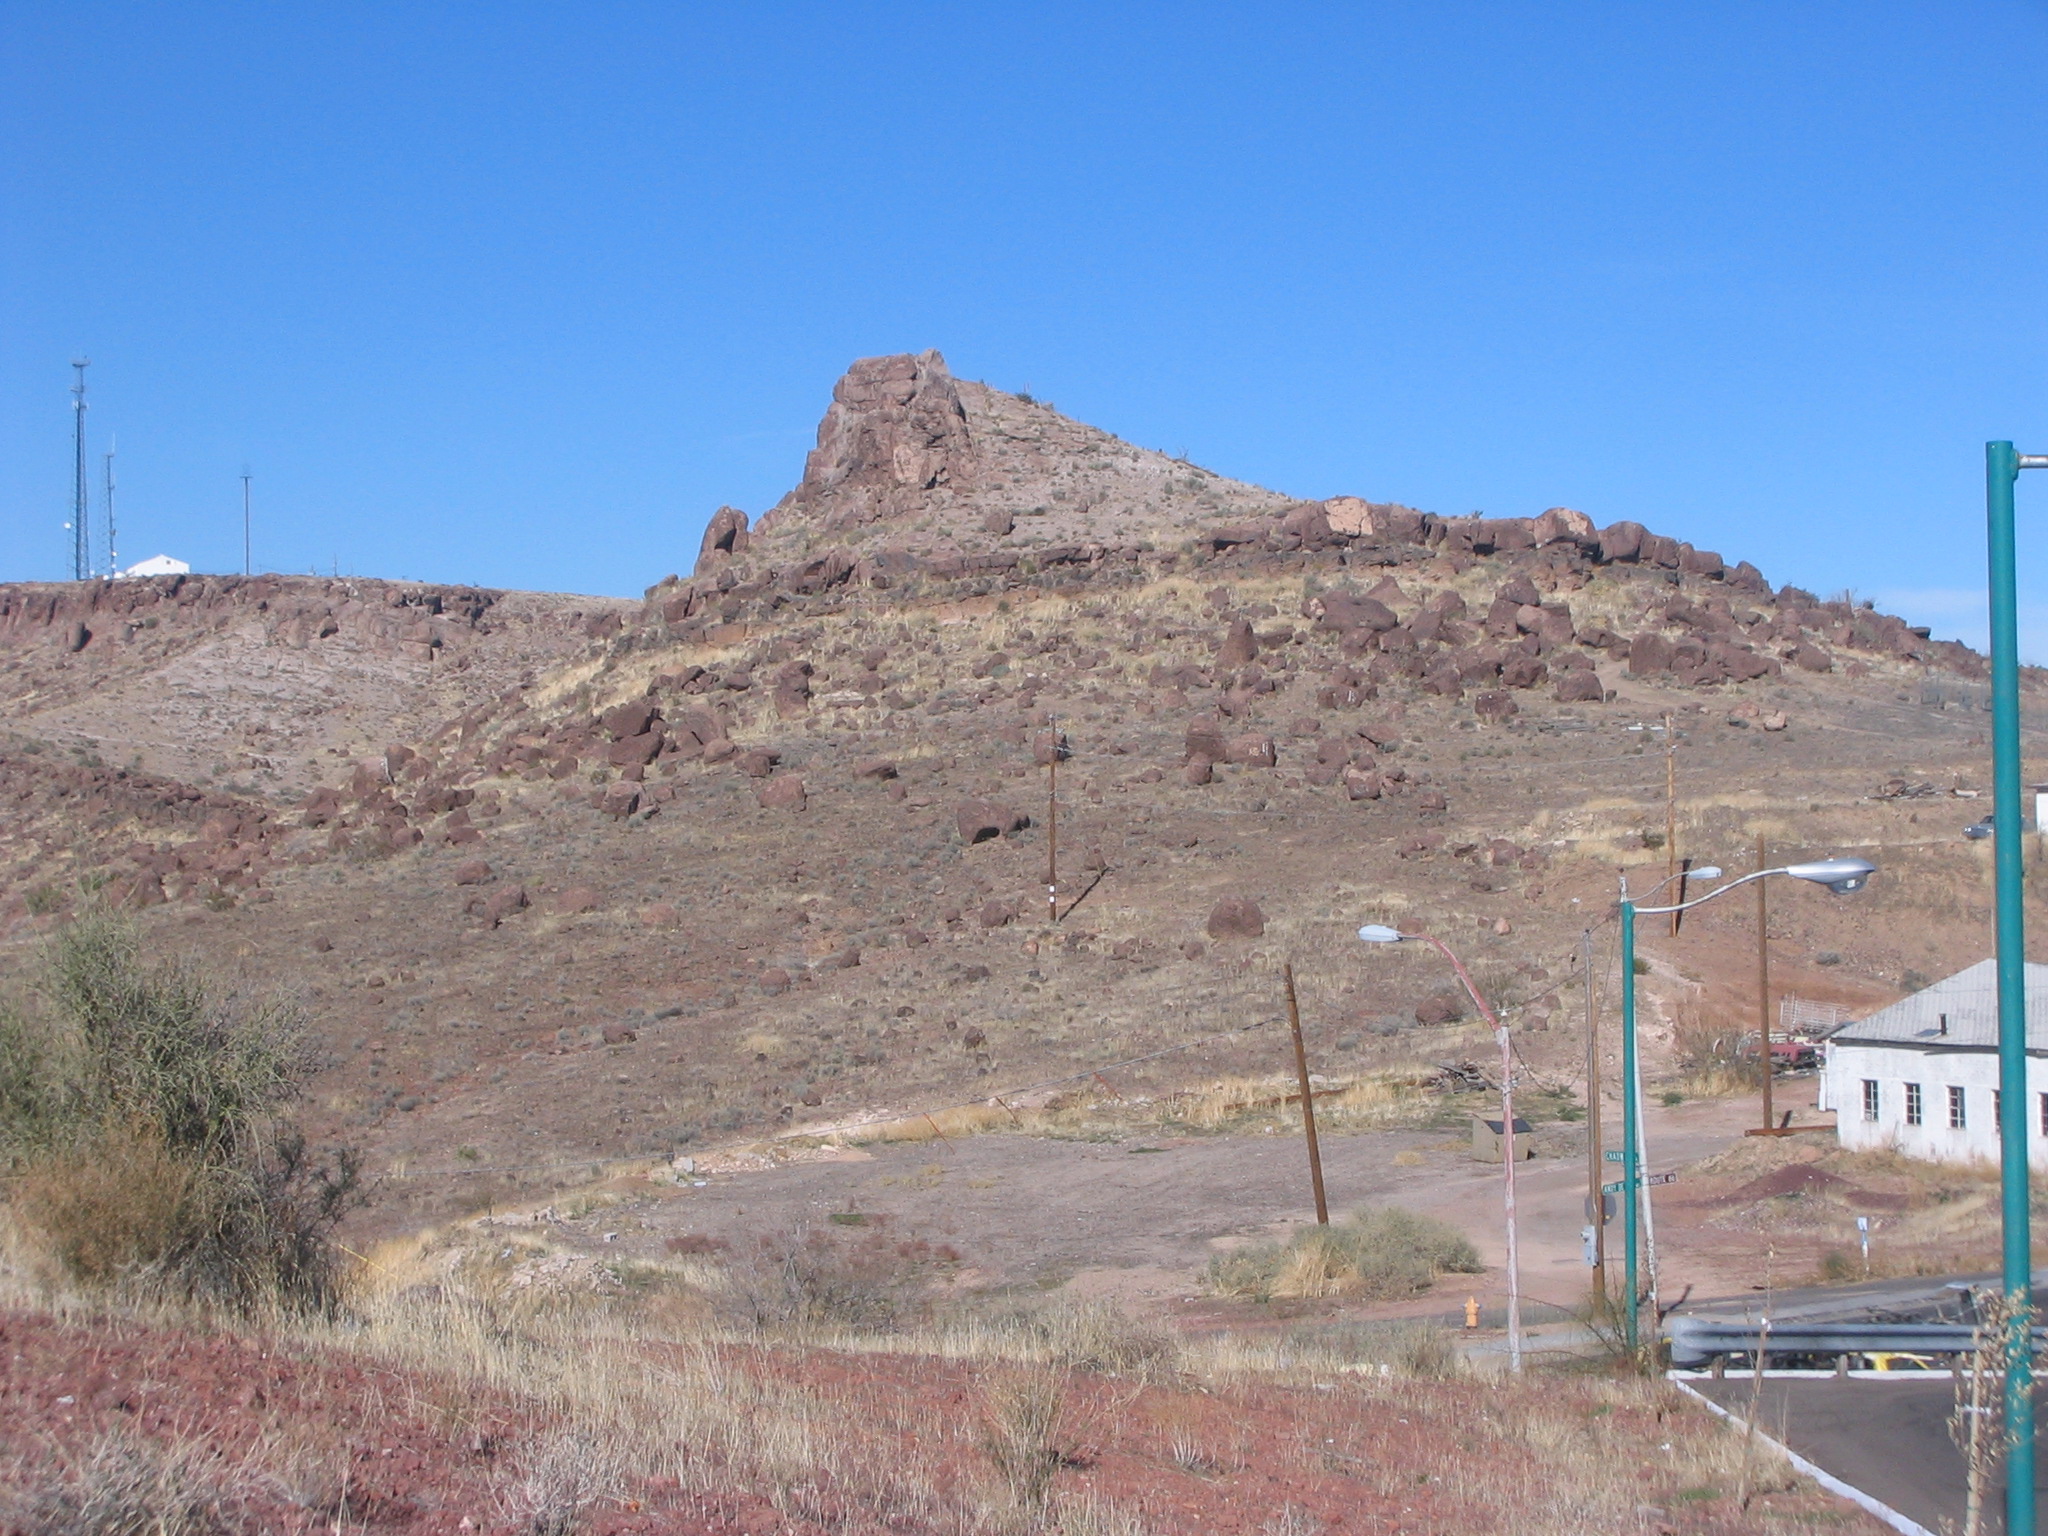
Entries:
{"x":863,"y":1278}
{"x":1713,"y":1050}
{"x":563,"y":1477}
{"x":125,"y":1485}
{"x":145,"y":1117}
{"x":1378,"y":1255}
{"x":1020,"y":1412}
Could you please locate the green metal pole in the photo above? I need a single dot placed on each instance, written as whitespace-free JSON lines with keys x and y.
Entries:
{"x":1629,"y":1140}
{"x":2001,"y":469}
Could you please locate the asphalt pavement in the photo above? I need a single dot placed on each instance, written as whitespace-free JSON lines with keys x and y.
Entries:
{"x":1888,"y":1438}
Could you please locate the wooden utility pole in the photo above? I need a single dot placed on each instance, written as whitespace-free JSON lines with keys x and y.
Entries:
{"x":1308,"y":1103}
{"x":1052,"y":829}
{"x":1671,"y":812}
{"x":1763,"y":982}
{"x":1596,"y":1203}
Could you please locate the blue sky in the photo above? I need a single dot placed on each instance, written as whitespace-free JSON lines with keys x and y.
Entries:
{"x":519,"y":294}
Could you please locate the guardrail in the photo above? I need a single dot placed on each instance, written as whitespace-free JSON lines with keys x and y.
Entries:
{"x":1699,"y":1341}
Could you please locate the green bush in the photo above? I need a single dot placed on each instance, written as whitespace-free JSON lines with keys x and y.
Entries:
{"x":145,"y":1118}
{"x":1378,"y":1255}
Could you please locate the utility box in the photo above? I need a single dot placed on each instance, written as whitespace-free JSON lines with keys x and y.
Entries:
{"x":1487,"y":1137}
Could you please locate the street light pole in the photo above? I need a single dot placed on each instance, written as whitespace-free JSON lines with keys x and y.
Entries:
{"x":1375,"y":934}
{"x":1839,"y":875}
{"x":2002,"y":468}
{"x":1629,"y":1143}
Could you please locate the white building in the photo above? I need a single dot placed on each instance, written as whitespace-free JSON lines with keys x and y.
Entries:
{"x":1921,"y":1076}
{"x":158,"y":565}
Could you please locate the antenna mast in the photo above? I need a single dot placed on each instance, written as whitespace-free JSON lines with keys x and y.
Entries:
{"x":113,"y":562}
{"x":81,"y":538}
{"x":245,"y":521}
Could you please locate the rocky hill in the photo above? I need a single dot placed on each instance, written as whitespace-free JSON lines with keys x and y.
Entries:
{"x":770,"y":848}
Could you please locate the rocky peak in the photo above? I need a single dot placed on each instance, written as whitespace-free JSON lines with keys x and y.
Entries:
{"x":895,"y":433}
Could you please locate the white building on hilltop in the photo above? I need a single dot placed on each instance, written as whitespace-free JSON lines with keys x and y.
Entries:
{"x":1921,"y":1077}
{"x":158,"y":565}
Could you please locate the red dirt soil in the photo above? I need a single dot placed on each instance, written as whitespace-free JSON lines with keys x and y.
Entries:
{"x":425,"y":1455}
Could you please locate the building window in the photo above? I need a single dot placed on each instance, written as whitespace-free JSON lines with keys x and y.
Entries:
{"x":1870,"y":1099}
{"x":1912,"y":1103}
{"x":1958,"y":1116}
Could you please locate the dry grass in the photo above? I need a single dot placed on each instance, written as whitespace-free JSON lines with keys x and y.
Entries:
{"x":1380,"y":1255}
{"x":635,"y":1394}
{"x":126,"y":1485}
{"x":1389,"y":1098}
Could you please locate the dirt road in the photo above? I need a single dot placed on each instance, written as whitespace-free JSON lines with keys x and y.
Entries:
{"x":1141,"y":1217}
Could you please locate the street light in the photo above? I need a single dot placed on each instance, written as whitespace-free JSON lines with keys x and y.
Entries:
{"x":1379,"y":933}
{"x":2002,"y":469}
{"x":1841,"y":876}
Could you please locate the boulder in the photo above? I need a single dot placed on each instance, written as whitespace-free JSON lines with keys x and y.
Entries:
{"x":1811,"y":658}
{"x":1308,"y":522}
{"x":619,"y":1034}
{"x":726,"y":535}
{"x":1518,"y":590}
{"x":1252,"y":750}
{"x":1363,"y":783}
{"x":620,"y":800}
{"x":1649,"y":653}
{"x":501,"y":904}
{"x":995,"y":913}
{"x":782,"y":793}
{"x":575,"y":899}
{"x":1523,"y":671}
{"x":980,"y":820}
{"x":1346,"y":611}
{"x":774,"y":981}
{"x":999,"y":521}
{"x":1199,"y":771}
{"x":1579,"y":685}
{"x":1561,"y":523}
{"x":1205,"y":743}
{"x":877,"y":768}
{"x":1240,"y":646}
{"x":1622,"y":541}
{"x":1494,"y":706}
{"x":633,"y":718}
{"x":1236,"y":917}
{"x":759,"y":762}
{"x":1441,"y":1008}
{"x":793,"y":689}
{"x":635,"y":751}
{"x":472,"y":872}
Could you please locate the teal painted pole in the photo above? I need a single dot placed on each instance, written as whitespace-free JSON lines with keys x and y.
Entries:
{"x":2001,"y":469}
{"x":1629,"y":1139}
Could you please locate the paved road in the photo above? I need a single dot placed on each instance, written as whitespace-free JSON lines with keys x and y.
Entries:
{"x":1889,"y":1438}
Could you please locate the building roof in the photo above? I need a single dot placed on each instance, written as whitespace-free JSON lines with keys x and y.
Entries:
{"x":1968,"y":999}
{"x":158,"y":565}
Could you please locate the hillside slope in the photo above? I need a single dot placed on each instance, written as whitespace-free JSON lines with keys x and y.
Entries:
{"x":769,"y":849}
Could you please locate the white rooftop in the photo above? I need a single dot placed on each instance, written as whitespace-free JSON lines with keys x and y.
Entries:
{"x":158,"y":565}
{"x":1969,"y":1002}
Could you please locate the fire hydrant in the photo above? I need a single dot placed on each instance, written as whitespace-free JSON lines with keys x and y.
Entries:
{"x":1471,"y":1311}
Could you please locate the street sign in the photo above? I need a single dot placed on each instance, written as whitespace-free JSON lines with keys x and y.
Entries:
{"x":1615,"y":1156}
{"x":1649,"y":1178}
